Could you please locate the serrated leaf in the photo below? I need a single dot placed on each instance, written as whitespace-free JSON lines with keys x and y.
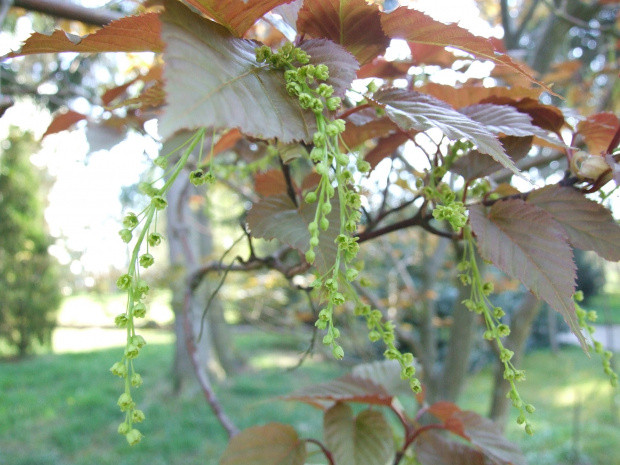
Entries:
{"x":271,"y":444}
{"x":348,"y":388}
{"x":213,"y":79}
{"x":236,"y":15}
{"x":525,"y":242}
{"x":63,"y":121}
{"x":385,"y":373}
{"x":502,"y":119}
{"x":475,"y":165}
{"x":487,"y":437}
{"x":544,"y":116}
{"x":433,"y":448}
{"x":413,"y":110}
{"x":467,"y":95}
{"x":598,"y":130}
{"x":363,"y":440}
{"x":277,"y":217}
{"x":354,"y":24}
{"x":589,"y":225}
{"x":415,"y":26}
{"x":131,"y":34}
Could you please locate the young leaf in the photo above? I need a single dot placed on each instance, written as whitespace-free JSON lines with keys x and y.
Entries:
{"x":276,"y":217}
{"x":354,"y":24}
{"x":434,"y":448}
{"x":269,"y":183}
{"x":487,"y":437}
{"x":598,"y":130}
{"x":413,"y":110}
{"x":271,"y":444}
{"x":475,"y":165}
{"x":525,"y":242}
{"x":213,"y":79}
{"x":63,"y":121}
{"x":236,"y":15}
{"x":131,"y":34}
{"x":589,"y":225}
{"x":415,"y":26}
{"x":363,"y":440}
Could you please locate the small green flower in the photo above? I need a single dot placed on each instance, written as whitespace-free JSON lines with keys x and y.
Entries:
{"x":134,"y":437}
{"x":159,"y":202}
{"x":333,"y":103}
{"x":162,"y":162}
{"x":146,"y":260}
{"x":138,"y":341}
{"x":125,"y":402}
{"x":196,"y":177}
{"x":130,"y":221}
{"x":123,"y":428}
{"x":119,"y":369}
{"x":139,"y":310}
{"x":321,"y":72}
{"x":338,"y":353}
{"x":131,"y":351}
{"x":137,"y":416}
{"x":310,"y":256}
{"x":121,"y":320}
{"x":155,"y":239}
{"x":124,"y":282}
{"x":136,"y":380}
{"x":125,"y":235}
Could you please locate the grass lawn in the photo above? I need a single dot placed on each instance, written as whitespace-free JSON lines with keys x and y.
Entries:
{"x":60,"y":409}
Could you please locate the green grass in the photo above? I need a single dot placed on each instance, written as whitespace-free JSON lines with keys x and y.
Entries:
{"x":60,"y":409}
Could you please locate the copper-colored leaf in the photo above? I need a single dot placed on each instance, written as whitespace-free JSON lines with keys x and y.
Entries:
{"x":469,"y":94}
{"x":362,"y":440}
{"x":365,"y":125}
{"x":526,"y":243}
{"x":544,"y":116}
{"x":154,"y":74}
{"x":354,"y":24}
{"x":63,"y":121}
{"x":381,"y":68}
{"x":153,"y":96}
{"x":227,"y":141}
{"x":385,"y":148}
{"x":427,"y":54}
{"x":434,"y":448}
{"x":236,"y":15}
{"x":420,"y":112}
{"x":270,"y":182}
{"x":213,"y":79}
{"x":131,"y":34}
{"x":598,"y":130}
{"x":271,"y":444}
{"x":443,"y":410}
{"x":588,"y":224}
{"x":477,"y":165}
{"x":415,"y":26}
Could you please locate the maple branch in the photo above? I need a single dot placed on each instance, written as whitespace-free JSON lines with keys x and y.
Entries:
{"x":67,"y":10}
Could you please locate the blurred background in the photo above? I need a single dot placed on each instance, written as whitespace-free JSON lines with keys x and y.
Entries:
{"x":63,"y":194}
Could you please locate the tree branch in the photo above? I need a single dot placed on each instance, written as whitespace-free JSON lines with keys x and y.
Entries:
{"x":67,"y":10}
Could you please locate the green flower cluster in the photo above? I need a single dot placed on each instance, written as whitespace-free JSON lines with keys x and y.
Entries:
{"x":479,"y":303}
{"x":448,"y":208}
{"x":583,"y":317}
{"x":137,"y":288}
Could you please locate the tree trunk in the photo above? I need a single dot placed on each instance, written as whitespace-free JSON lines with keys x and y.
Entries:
{"x":520,"y":326}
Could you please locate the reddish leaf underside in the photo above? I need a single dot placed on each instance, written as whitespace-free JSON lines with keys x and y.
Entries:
{"x":271,"y":444}
{"x":354,"y":24}
{"x":415,"y":26}
{"x":434,"y":448}
{"x":525,"y":242}
{"x":269,"y":183}
{"x":589,"y":225}
{"x":131,"y":34}
{"x":469,"y":95}
{"x":544,"y":116}
{"x":276,"y":217}
{"x":63,"y":121}
{"x":598,"y":130}
{"x":213,"y":79}
{"x":236,"y":15}
{"x":420,"y":112}
{"x":385,"y":147}
{"x":362,"y":440}
{"x":342,"y":65}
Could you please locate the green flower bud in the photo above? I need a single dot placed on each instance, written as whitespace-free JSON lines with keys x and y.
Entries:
{"x":324,"y":224}
{"x":328,"y":339}
{"x":196,"y":177}
{"x":146,"y":260}
{"x":262,"y":53}
{"x":320,"y":324}
{"x":119,"y":369}
{"x":530,"y":408}
{"x":325,"y":90}
{"x":310,"y":256}
{"x":138,"y":341}
{"x":124,"y":282}
{"x":503,"y":330}
{"x":293,"y":89}
{"x":131,"y":351}
{"x":529,"y":430}
{"x":310,"y":197}
{"x":363,"y":166}
{"x":314,"y":241}
{"x":333,"y":103}
{"x":159,"y":202}
{"x":142,"y":288}
{"x":335,"y":333}
{"x":391,"y":354}
{"x":123,"y":428}
{"x":407,"y":358}
{"x":326,"y":208}
{"x":520,"y":419}
{"x":321,"y":72}
{"x":313,"y":228}
{"x":317,"y":105}
{"x":407,"y":372}
{"x":498,"y":312}
{"x":136,"y":380}
{"x":137,"y":416}
{"x":338,"y":298}
{"x":162,"y":162}
{"x":578,"y":296}
{"x":133,"y":437}
{"x":488,"y":288}
{"x":305,"y":100}
{"x":125,"y":402}
{"x":415,"y":385}
{"x":155,"y":239}
{"x":338,"y":353}
{"x":139,"y":310}
{"x":125,"y":235}
{"x":351,"y":274}
{"x":505,"y":355}
{"x":130,"y":221}
{"x":121,"y":320}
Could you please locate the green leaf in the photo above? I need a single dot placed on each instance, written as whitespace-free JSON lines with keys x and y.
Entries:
{"x":236,"y":15}
{"x":525,"y":242}
{"x":420,"y":112}
{"x":277,"y":217}
{"x":363,"y":440}
{"x":271,"y":444}
{"x":589,"y":225}
{"x":415,"y":26}
{"x":354,"y":24}
{"x":131,"y":34}
{"x":434,"y":448}
{"x":213,"y":79}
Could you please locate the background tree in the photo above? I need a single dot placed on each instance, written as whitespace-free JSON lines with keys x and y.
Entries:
{"x":29,"y":285}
